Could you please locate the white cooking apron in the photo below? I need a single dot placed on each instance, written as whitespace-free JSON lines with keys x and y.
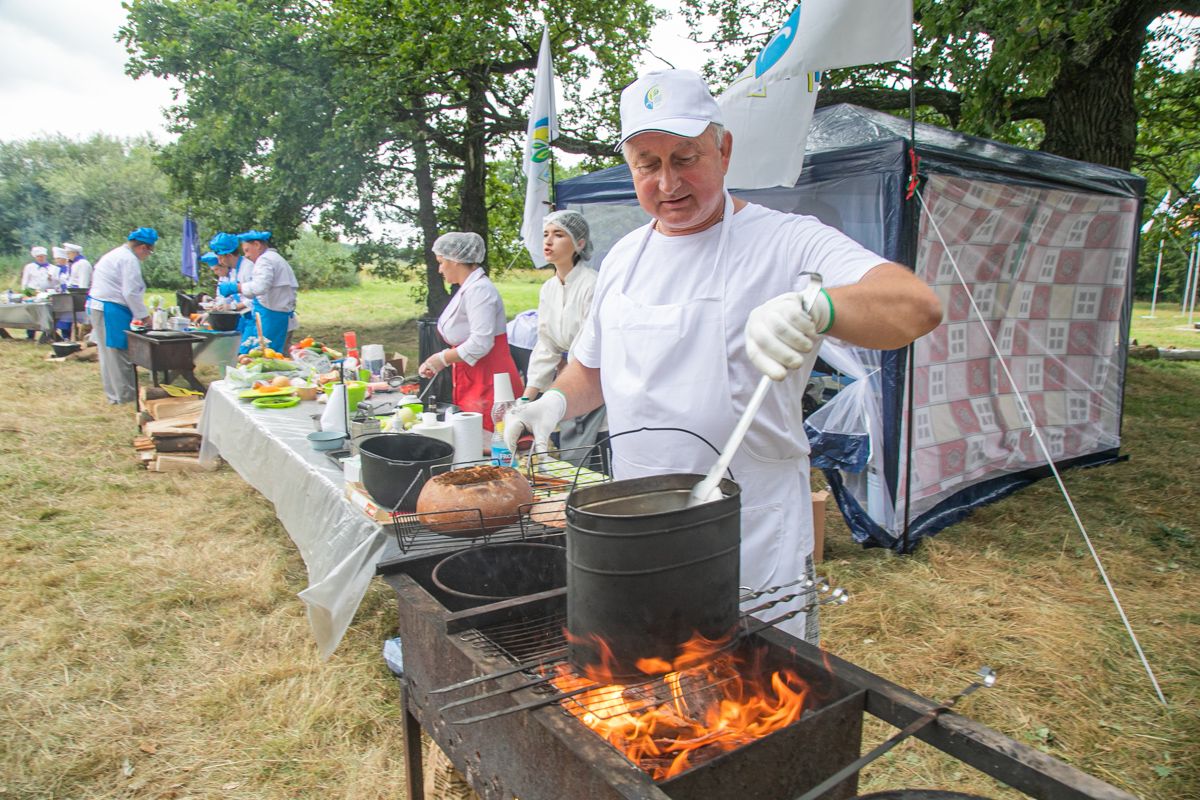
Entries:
{"x":665,"y":366}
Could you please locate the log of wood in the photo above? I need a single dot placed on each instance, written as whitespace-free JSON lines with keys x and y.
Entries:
{"x":169,"y":407}
{"x":143,"y":443}
{"x":151,"y":393}
{"x":179,"y":462}
{"x":183,"y":421}
{"x":177,"y":444}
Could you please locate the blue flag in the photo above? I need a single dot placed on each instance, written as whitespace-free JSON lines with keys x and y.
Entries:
{"x":191,"y":250}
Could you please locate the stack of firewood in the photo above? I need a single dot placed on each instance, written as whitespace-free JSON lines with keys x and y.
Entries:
{"x":169,"y":441}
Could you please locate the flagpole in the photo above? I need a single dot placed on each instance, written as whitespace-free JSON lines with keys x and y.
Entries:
{"x":1157,"y":273}
{"x":1187,"y":284}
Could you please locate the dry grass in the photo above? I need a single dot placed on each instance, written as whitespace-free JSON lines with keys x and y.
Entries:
{"x":153,"y":645}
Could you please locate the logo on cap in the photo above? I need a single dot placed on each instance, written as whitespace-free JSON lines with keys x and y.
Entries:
{"x":654,"y":97}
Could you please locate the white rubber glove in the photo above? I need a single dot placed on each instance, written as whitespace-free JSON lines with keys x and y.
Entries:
{"x":539,"y":417}
{"x":781,"y":332}
{"x":433,"y":365}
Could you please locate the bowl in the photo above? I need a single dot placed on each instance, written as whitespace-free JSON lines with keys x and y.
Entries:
{"x":224,"y":320}
{"x":326,"y":440}
{"x":66,"y":348}
{"x":306,"y":392}
{"x":356,"y":392}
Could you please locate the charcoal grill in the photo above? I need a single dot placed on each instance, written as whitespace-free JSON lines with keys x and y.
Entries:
{"x":545,"y":753}
{"x":164,"y":352}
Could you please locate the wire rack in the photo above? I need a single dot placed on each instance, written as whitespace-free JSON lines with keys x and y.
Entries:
{"x":551,"y":480}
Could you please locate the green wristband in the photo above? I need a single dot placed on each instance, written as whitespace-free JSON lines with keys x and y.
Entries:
{"x":829,"y":300}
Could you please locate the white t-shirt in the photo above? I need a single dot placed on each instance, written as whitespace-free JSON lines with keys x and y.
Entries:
{"x":473,"y":318}
{"x":117,"y":278}
{"x":766,"y":253}
{"x":562,"y":309}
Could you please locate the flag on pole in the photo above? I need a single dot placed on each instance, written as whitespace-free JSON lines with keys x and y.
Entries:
{"x":769,"y":107}
{"x":191,"y":249}
{"x":542,"y":130}
{"x":1161,"y":208}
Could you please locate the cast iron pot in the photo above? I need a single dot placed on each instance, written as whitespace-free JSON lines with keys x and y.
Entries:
{"x":501,"y":571}
{"x":645,"y":573}
{"x":396,"y":465}
{"x":224,"y":320}
{"x":65,"y":348}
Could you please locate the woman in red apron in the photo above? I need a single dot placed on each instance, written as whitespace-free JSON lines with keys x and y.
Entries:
{"x":473,"y":324}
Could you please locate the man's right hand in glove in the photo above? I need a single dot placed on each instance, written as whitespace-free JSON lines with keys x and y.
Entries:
{"x":539,"y":418}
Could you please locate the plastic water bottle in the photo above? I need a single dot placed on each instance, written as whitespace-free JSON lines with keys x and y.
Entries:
{"x":502,"y":401}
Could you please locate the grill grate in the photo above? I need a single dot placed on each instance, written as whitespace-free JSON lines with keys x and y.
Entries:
{"x":551,"y":481}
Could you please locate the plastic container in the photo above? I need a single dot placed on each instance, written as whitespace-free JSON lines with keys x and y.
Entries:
{"x":372,"y":358}
{"x":502,"y":401}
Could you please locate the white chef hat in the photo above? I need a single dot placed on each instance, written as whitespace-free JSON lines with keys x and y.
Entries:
{"x":37,"y":251}
{"x":58,"y":252}
{"x":74,"y":248}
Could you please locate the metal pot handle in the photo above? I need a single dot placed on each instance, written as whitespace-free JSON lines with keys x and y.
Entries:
{"x":587,"y":457}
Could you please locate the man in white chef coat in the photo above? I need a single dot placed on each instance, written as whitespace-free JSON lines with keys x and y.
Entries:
{"x":691,"y":309}
{"x":116,"y":299}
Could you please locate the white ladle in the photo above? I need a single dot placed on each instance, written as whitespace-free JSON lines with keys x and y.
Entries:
{"x":709,"y":489}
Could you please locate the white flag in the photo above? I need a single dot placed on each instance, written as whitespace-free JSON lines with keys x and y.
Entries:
{"x":543,"y":129}
{"x":769,"y":108}
{"x":1163,"y":206}
{"x":846,"y":33}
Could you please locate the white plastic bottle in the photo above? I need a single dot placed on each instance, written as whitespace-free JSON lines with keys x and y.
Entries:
{"x":502,"y":401}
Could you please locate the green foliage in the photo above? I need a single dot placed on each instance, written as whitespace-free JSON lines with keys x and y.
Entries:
{"x":322,"y":264}
{"x":346,"y":112}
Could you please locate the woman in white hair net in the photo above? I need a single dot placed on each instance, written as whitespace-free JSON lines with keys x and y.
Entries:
{"x":473,"y":324}
{"x":563,"y":304}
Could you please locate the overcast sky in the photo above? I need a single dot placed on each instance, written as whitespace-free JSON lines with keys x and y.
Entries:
{"x":61,"y":71}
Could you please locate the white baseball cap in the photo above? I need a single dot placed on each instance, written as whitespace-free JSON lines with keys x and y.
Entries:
{"x":675,"y":101}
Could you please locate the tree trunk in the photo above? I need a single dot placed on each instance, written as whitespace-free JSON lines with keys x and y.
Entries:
{"x":473,"y":189}
{"x":1092,"y":115}
{"x":436,"y":297}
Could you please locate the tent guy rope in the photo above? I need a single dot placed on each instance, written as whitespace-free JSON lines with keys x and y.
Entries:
{"x":1023,"y":405}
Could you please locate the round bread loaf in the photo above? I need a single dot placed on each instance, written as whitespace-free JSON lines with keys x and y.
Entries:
{"x":473,"y":501}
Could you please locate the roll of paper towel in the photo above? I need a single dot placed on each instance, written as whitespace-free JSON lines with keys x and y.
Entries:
{"x":435,"y":428}
{"x":334,"y":416}
{"x":468,"y":436}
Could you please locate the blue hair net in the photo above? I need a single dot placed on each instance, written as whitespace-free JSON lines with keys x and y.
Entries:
{"x":210,"y":259}
{"x":144,"y":235}
{"x":223,"y":243}
{"x":254,"y":236}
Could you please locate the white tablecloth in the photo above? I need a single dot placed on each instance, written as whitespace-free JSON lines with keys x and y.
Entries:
{"x":30,"y":316}
{"x":339,"y":545}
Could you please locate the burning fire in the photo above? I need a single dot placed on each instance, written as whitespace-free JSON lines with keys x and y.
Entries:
{"x":707,"y":702}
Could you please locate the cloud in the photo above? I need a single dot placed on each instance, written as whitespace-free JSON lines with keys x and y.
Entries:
{"x":63,"y":72}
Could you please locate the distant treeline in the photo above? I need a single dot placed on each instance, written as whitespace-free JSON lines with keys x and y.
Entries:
{"x":94,"y":192}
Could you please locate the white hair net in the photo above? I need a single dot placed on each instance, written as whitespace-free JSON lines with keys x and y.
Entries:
{"x":58,"y":252}
{"x":576,"y":226}
{"x":37,"y":251}
{"x":463,"y":247}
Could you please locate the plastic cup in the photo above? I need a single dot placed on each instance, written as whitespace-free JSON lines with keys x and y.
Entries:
{"x":502,"y":391}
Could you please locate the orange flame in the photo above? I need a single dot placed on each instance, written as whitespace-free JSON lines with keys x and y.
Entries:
{"x":708,"y":701}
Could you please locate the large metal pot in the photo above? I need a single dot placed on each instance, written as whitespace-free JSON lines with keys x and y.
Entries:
{"x":395,"y":466}
{"x":501,"y":571}
{"x":645,"y":573}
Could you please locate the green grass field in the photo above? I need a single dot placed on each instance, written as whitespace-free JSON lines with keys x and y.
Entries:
{"x":154,"y":646}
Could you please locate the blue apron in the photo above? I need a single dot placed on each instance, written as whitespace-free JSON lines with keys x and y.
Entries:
{"x":274,"y":325}
{"x":117,"y":319}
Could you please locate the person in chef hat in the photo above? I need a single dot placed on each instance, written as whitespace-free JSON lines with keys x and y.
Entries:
{"x":271,"y":290}
{"x":694,"y":307}
{"x":38,"y":275}
{"x":117,"y":298}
